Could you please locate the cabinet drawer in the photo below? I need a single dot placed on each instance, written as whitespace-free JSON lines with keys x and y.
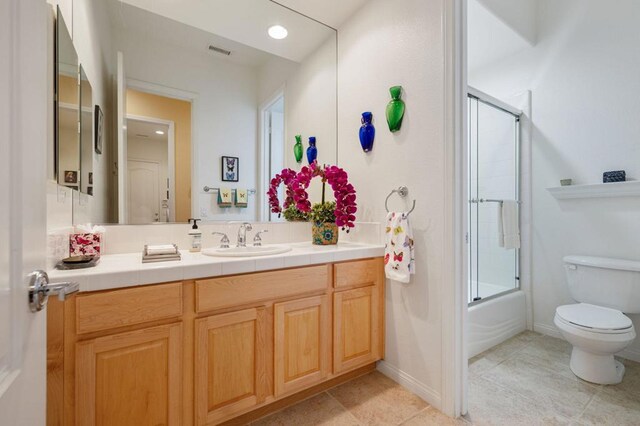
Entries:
{"x":225,"y":292}
{"x":359,"y":273}
{"x":119,"y":308}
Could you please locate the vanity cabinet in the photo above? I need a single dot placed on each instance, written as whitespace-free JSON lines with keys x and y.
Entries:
{"x":302,"y":343}
{"x":216,"y":350}
{"x":230,"y":360}
{"x":130,"y":378}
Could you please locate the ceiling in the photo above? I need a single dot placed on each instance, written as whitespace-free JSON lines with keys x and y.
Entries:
{"x":243,"y":21}
{"x":489,"y":37}
{"x":131,"y":22}
{"x":331,"y":12}
{"x":146,"y":130}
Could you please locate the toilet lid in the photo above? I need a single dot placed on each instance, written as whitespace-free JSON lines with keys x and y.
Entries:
{"x":596,"y":317}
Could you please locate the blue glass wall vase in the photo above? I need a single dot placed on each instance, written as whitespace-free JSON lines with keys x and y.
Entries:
{"x":367,"y":132}
{"x":312,"y":151}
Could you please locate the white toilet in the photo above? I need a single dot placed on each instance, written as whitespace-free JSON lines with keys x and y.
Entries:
{"x":597,"y":327}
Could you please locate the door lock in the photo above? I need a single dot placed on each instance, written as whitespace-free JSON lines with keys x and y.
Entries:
{"x":40,"y":289}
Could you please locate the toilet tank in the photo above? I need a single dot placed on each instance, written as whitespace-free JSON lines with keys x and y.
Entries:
{"x":613,"y":283}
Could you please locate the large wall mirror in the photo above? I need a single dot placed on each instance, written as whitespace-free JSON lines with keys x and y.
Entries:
{"x":210,"y":97}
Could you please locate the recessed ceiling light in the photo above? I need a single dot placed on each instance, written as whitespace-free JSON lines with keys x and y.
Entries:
{"x":278,"y":32}
{"x":159,"y":132}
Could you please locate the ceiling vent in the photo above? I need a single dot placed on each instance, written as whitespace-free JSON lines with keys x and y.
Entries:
{"x":219,"y":50}
{"x":140,"y":135}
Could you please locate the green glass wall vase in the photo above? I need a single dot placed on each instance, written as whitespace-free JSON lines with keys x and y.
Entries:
{"x":395,"y":109}
{"x":298,"y":149}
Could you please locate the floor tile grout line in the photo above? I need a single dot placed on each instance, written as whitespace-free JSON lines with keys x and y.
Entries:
{"x":345,"y":408}
{"x":578,"y":416}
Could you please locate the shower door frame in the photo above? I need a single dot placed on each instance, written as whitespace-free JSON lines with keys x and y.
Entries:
{"x":489,"y":100}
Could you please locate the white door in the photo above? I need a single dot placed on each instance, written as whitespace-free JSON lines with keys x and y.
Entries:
{"x":121,"y":95}
{"x":143,"y":200}
{"x":23,"y":138}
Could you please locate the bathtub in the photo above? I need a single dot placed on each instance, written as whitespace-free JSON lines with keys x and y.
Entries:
{"x":493,"y":321}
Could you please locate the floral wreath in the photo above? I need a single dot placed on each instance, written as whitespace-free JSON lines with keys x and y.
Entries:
{"x":286,"y":176}
{"x":343,"y":191}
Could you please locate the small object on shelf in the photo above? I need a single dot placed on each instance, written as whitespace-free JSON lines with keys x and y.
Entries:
{"x":312,"y":151}
{"x":395,"y":109}
{"x":195,"y":235}
{"x":78,"y":262}
{"x":152,"y":258}
{"x":297,"y":149}
{"x":566,"y":182}
{"x":367,"y":131}
{"x":614,"y":176}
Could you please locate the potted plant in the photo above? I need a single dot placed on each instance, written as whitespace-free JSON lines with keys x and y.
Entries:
{"x":292,"y":214}
{"x":326,"y":217}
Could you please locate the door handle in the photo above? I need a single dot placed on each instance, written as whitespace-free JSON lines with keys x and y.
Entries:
{"x":40,"y":289}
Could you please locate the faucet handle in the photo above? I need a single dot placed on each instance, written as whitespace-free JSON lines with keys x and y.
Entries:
{"x":224,"y":241}
{"x":257,"y":240}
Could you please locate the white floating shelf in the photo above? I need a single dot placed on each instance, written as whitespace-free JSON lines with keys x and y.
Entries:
{"x":598,"y":190}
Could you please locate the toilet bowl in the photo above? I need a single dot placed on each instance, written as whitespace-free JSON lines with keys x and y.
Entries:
{"x":597,"y":326}
{"x":596,"y":334}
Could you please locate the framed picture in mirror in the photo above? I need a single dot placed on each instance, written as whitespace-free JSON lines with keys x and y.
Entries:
{"x":70,"y":176}
{"x":230,"y":169}
{"x":99,"y":122}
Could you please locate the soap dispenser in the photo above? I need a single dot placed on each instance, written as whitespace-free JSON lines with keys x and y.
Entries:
{"x":195,"y":235}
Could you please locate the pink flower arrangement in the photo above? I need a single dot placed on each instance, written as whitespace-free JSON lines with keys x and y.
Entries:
{"x":286,"y":176}
{"x":343,"y":191}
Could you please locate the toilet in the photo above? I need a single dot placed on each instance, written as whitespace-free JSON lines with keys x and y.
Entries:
{"x":597,"y":326}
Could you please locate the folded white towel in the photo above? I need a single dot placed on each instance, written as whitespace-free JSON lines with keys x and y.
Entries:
{"x":399,"y":259}
{"x":153,"y":250}
{"x":508,"y":225}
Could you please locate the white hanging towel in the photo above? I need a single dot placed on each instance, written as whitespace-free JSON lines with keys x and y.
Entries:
{"x":399,"y":259}
{"x":508,"y":225}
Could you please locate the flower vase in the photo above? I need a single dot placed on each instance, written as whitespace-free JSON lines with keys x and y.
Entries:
{"x":312,"y":151}
{"x":324,"y":234}
{"x":395,"y":109}
{"x":297,"y":149}
{"x":367,"y":132}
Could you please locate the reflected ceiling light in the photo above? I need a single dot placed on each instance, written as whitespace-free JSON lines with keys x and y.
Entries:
{"x":278,"y":32}
{"x":159,"y":132}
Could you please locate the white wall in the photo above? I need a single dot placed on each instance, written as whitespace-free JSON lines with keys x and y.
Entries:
{"x":386,"y":44}
{"x":583,"y":74}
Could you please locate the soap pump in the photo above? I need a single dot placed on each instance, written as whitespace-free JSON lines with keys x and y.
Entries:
{"x":195,"y":235}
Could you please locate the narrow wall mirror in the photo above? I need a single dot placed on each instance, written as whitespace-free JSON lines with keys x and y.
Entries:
{"x":86,"y":134}
{"x":67,"y":140}
{"x":208,"y":107}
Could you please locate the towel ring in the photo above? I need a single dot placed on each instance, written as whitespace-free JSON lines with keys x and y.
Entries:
{"x":402,"y":191}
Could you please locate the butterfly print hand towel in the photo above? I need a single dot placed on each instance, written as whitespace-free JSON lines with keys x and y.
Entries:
{"x":399,"y":262}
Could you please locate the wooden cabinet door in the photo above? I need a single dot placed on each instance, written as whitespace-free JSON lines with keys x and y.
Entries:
{"x":132,"y":378}
{"x":230,"y":364}
{"x":302,"y":343}
{"x":356,"y":328}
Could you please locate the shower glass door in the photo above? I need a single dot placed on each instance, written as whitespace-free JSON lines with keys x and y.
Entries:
{"x":493,"y":176}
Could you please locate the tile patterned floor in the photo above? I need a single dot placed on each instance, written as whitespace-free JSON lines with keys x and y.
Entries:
{"x":524,"y":381}
{"x":527,"y":381}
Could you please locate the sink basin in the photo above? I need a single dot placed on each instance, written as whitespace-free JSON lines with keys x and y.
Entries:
{"x":249,"y":251}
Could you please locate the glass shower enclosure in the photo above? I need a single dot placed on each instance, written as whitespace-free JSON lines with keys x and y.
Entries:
{"x":493,"y":153}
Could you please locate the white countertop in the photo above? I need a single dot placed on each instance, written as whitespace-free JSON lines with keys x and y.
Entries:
{"x":125,"y":270}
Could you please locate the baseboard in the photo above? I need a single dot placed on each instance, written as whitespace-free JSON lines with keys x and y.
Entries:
{"x":423,"y":391}
{"x":630,"y":354}
{"x":633,"y":355}
{"x":548,"y":330}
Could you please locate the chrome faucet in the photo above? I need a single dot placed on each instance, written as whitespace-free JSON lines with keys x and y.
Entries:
{"x":242,"y":234}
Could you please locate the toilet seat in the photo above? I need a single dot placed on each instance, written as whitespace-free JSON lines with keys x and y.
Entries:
{"x":595,"y":319}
